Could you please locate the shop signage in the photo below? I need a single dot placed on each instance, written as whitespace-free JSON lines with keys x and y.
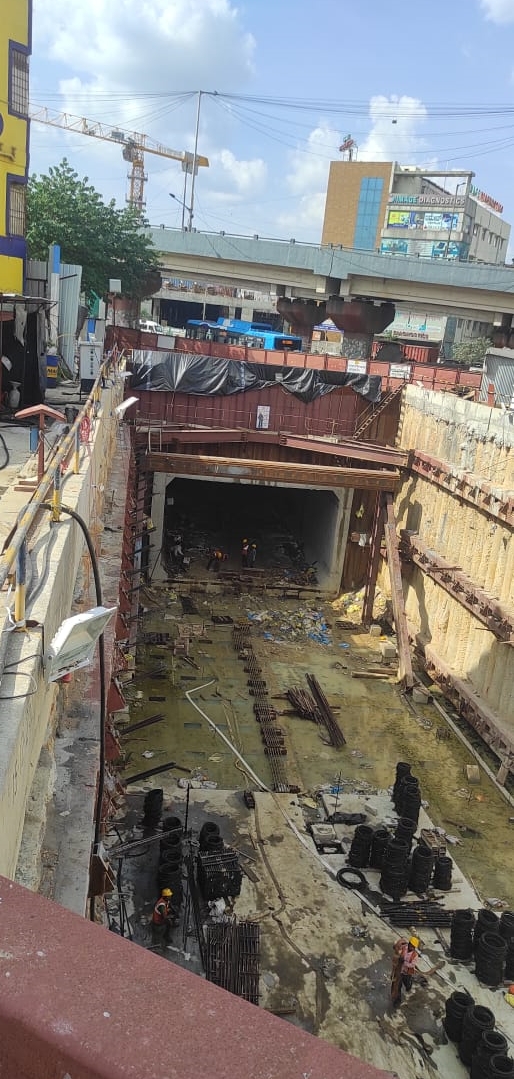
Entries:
{"x":486,"y":199}
{"x":428,"y":200}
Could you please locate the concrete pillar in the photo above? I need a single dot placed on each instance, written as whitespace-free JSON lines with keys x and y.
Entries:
{"x":157,"y":570}
{"x":302,"y":316}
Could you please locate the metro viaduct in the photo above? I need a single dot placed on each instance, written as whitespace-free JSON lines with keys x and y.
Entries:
{"x":358,"y":290}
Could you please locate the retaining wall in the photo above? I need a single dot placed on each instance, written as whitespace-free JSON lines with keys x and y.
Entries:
{"x":27,"y":702}
{"x":475,"y":440}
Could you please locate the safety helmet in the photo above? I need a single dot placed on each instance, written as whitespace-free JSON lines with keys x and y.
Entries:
{"x":167,"y":892}
{"x":245,"y":541}
{"x":414,"y":941}
{"x":254,"y":545}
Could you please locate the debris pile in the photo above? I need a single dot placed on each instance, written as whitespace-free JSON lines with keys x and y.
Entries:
{"x":283,"y":627}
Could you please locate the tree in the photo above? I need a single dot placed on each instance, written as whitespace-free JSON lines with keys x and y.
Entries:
{"x":106,"y":241}
{"x":471,"y":351}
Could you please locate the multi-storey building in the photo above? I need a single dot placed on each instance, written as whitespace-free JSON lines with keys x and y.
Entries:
{"x":403,"y":210}
{"x":15,"y":47}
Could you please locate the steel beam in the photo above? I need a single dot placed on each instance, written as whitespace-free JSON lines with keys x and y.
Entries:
{"x":232,"y":468}
{"x":497,"y":616}
{"x":497,"y":502}
{"x":350,"y":448}
{"x":468,"y":702}
{"x":405,"y":673}
{"x":377,"y":530}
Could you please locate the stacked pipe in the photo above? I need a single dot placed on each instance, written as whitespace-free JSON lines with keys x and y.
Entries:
{"x":491,"y":1044}
{"x":461,"y":935}
{"x":456,"y":1006}
{"x":169,"y":873}
{"x":152,"y":808}
{"x":442,"y":878}
{"x":506,"y":930}
{"x":421,"y":869}
{"x":271,"y":734}
{"x":381,"y":837}
{"x":360,"y":850}
{"x":395,"y":870}
{"x":402,"y":770}
{"x":476,"y":1020}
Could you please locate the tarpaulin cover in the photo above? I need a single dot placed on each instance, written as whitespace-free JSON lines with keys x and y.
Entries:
{"x":212,"y":376}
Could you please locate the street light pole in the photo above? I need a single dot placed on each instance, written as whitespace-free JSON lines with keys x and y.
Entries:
{"x":182,"y":204}
{"x":195,"y":158}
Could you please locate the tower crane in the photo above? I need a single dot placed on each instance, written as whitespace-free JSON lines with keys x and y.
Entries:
{"x":134,"y":146}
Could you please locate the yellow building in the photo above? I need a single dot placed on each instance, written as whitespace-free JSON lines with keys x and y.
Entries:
{"x":15,"y":47}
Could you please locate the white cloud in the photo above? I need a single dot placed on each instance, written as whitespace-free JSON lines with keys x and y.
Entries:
{"x":394,"y":134}
{"x":500,"y":11}
{"x":153,"y":45}
{"x":307,"y":178}
{"x":247,"y":176}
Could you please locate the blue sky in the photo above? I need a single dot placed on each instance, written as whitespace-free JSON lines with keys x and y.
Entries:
{"x":443,"y":72}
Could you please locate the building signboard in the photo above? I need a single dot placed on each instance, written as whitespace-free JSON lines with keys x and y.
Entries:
{"x":429,"y":200}
{"x":482,"y":196}
{"x":394,"y":247}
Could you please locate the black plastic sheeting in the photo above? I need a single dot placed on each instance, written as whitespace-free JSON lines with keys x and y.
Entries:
{"x":211,"y":376}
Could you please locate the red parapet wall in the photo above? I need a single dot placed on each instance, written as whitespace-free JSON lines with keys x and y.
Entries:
{"x":80,"y":1002}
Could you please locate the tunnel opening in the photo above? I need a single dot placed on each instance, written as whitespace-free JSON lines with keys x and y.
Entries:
{"x":296,"y":530}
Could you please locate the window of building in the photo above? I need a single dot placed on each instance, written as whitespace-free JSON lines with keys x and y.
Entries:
{"x":19,"y":82}
{"x":484,"y":233}
{"x":368,"y":211}
{"x":475,"y":230}
{"x":16,"y":220}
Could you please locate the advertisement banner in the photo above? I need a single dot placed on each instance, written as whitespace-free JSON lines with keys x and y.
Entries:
{"x":394,"y":247}
{"x":357,"y":367}
{"x":398,"y":219}
{"x":440,"y":222}
{"x":399,"y":370}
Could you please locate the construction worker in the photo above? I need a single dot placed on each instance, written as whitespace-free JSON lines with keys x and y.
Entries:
{"x":405,"y":958}
{"x":162,"y":918}
{"x":216,"y":558}
{"x":252,"y":554}
{"x":244,"y":553}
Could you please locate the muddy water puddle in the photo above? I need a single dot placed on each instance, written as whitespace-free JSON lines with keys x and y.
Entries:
{"x":378,"y":726}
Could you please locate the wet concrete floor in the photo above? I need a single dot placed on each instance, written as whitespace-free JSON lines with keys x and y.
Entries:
{"x":379,"y":727}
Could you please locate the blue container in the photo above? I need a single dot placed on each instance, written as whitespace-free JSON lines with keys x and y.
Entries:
{"x":34,"y":439}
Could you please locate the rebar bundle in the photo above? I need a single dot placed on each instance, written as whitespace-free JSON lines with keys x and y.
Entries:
{"x":426,"y":912}
{"x":328,"y":718}
{"x":272,"y":736}
{"x":232,"y":957}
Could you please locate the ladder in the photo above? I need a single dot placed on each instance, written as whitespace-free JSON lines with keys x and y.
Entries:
{"x":371,"y":414}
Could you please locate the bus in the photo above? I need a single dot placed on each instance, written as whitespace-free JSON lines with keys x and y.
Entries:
{"x":233,"y":331}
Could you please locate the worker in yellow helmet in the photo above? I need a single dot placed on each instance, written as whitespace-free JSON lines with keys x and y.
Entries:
{"x":405,"y":958}
{"x":162,"y":918}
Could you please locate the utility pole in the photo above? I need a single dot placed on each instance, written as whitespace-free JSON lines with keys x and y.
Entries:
{"x":195,"y":158}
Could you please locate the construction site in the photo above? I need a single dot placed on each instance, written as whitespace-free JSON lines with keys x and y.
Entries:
{"x":308,"y":750}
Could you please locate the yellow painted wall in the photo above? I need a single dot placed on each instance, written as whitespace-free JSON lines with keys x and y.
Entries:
{"x":15,"y":27}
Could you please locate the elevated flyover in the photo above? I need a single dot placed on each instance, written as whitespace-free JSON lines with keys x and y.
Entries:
{"x":330,"y":273}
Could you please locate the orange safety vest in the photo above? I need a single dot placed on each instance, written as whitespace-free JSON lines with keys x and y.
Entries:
{"x":409,"y":959}
{"x":160,"y":911}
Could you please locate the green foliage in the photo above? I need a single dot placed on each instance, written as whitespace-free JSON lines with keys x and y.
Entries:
{"x":105,"y":241}
{"x":471,"y":351}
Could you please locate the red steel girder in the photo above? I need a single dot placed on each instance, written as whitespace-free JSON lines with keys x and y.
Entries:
{"x":497,"y":616}
{"x":493,"y":500}
{"x":184,"y":464}
{"x":351,"y":448}
{"x":468,"y":703}
{"x":405,"y":673}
